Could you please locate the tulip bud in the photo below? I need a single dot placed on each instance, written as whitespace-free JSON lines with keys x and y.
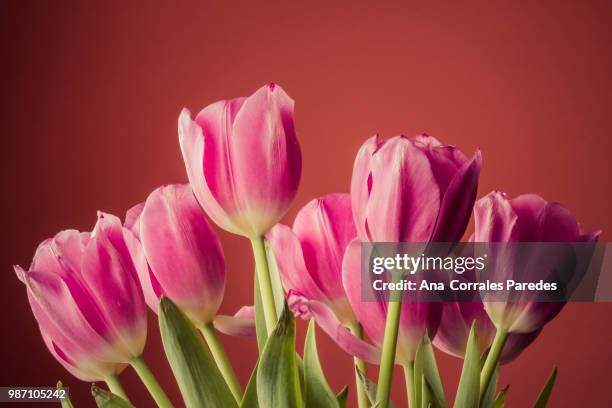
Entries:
{"x":526,"y":218}
{"x":176,"y":252}
{"x":83,"y":291}
{"x":412,"y":190}
{"x":243,"y":159}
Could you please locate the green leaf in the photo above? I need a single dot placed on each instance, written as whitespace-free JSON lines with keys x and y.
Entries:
{"x":278,"y":383}
{"x":260,"y":321}
{"x":500,"y":401}
{"x":342,"y":396}
{"x":425,"y":365}
{"x":426,"y":393}
{"x":317,"y":391}
{"x":469,"y":384}
{"x":196,"y":373}
{"x":370,"y":388}
{"x":66,"y":403}
{"x":249,"y":400}
{"x":545,"y":393}
{"x":106,"y":399}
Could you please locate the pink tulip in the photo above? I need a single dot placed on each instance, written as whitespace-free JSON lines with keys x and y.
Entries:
{"x":84,"y":293}
{"x":412,"y":190}
{"x":526,"y":218}
{"x":406,"y":190}
{"x":243,"y":159}
{"x":176,"y":252}
{"x":309,"y":258}
{"x":454,"y":329}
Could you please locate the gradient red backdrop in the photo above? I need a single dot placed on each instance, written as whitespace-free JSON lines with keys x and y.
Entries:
{"x":91,"y":93}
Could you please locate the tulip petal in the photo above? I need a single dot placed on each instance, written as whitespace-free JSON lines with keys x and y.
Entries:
{"x":495,"y":219}
{"x":241,"y":324}
{"x":292,"y":268}
{"x":108,"y":270}
{"x":371,"y":315}
{"x":176,"y":237}
{"x":327,"y":320}
{"x":405,"y":197}
{"x":132,"y":219}
{"x":456,"y":206}
{"x":361,"y":183}
{"x":61,"y":304}
{"x":266,"y":156}
{"x":324,"y":228}
{"x":191,"y":140}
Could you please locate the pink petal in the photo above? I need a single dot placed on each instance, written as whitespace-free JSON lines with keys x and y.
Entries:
{"x":361,"y":183}
{"x":291,"y":266}
{"x":241,"y":324}
{"x":457,"y":202}
{"x":132,"y":219}
{"x":404,"y":199}
{"x":495,"y":219}
{"x":324,"y":228}
{"x":191,"y":140}
{"x":327,"y":320}
{"x":371,"y":315}
{"x":109,"y":273}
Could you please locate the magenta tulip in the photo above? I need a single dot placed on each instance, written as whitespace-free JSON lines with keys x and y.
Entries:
{"x":176,"y":252}
{"x":412,"y":190}
{"x":243,"y":159}
{"x":526,"y":218}
{"x":309,"y":258}
{"x":84,"y":293}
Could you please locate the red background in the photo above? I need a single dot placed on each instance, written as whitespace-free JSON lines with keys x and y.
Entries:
{"x":91,"y":93}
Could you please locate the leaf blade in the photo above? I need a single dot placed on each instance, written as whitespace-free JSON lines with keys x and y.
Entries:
{"x":547,"y":390}
{"x":106,"y":399}
{"x":198,"y":377}
{"x":278,"y":383}
{"x":468,"y":391}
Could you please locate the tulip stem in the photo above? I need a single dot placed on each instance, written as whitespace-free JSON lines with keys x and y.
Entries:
{"x":216,"y":348}
{"x":492,"y":359}
{"x":114,"y":386}
{"x":265,"y":282}
{"x":362,"y":396}
{"x":409,"y":377}
{"x":387,"y":361}
{"x":148,"y":379}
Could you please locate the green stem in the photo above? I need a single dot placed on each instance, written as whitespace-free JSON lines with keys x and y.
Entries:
{"x":265,"y":282}
{"x":410,"y":390}
{"x":387,"y":361}
{"x":145,"y":374}
{"x":114,"y":386}
{"x":216,"y":348}
{"x":492,"y":359}
{"x":362,"y":396}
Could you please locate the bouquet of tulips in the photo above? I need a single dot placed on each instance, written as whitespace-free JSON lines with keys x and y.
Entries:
{"x":89,"y":290}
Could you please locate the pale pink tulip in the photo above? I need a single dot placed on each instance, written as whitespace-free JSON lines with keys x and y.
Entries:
{"x":84,"y":293}
{"x":243,"y":159}
{"x":176,"y":252}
